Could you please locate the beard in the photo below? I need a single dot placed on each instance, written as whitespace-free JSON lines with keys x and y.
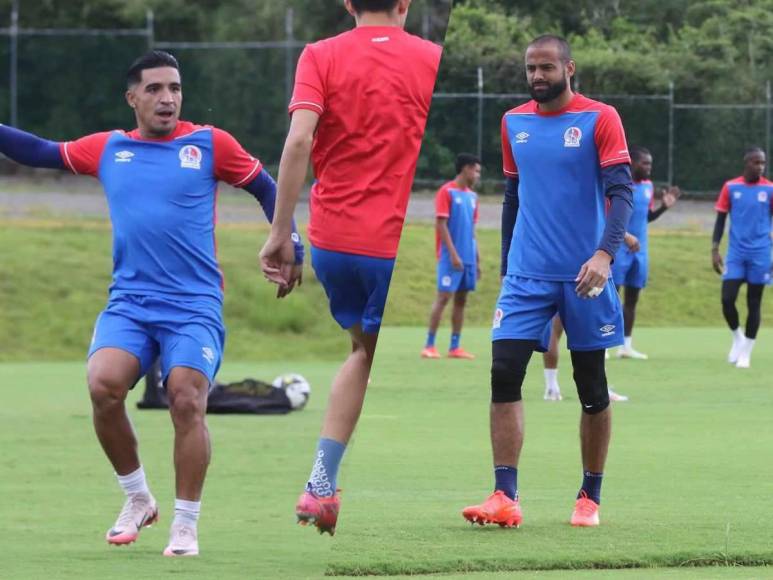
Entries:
{"x":548,"y":94}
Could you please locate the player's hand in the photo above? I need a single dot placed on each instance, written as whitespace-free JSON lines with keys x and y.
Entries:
{"x":456,"y":262}
{"x":296,"y":275}
{"x":277,"y":261}
{"x":632,"y":242}
{"x":670,"y":196}
{"x":593,"y":275}
{"x":716,"y":262}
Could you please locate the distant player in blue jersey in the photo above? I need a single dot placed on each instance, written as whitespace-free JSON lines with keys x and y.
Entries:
{"x":565,"y":158}
{"x":166,"y":297}
{"x":748,"y":200}
{"x":458,"y":267}
{"x":630,"y":267}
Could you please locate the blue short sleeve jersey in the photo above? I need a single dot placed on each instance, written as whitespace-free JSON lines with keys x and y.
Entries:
{"x":750,"y":206}
{"x":460,"y":207}
{"x":557,"y":158}
{"x":643,"y":200}
{"x":162,"y":199}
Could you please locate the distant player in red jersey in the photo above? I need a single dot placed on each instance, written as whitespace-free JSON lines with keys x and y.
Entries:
{"x":359,"y":108}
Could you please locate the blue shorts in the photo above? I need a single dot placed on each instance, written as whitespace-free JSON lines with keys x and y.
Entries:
{"x":526,"y":307}
{"x":356,"y":287}
{"x":630,"y":269}
{"x":753,"y":268}
{"x":451,"y":280}
{"x":183,"y":333}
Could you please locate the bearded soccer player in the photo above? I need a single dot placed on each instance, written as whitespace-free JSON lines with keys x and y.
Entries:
{"x":359,"y":107}
{"x":631,"y":266}
{"x":458,"y":267}
{"x":564,"y":156}
{"x":166,"y":298}
{"x":748,"y":200}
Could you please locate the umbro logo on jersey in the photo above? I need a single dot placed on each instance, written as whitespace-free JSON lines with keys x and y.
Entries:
{"x":458,"y":200}
{"x":607,"y":330}
{"x":190,"y":157}
{"x":572,"y":137}
{"x":736,"y":195}
{"x":522,"y":137}
{"x":208,"y":355}
{"x":762,"y":196}
{"x":123,"y":156}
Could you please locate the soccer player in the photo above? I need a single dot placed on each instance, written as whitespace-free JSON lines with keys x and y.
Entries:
{"x":748,"y":200}
{"x":359,"y":108}
{"x":458,"y":267}
{"x":564,"y":157}
{"x":166,"y":298}
{"x":630,"y":267}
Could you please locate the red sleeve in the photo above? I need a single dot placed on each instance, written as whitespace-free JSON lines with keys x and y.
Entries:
{"x":309,"y":91}
{"x":232,"y":163}
{"x":475,"y":215}
{"x":508,"y":161}
{"x":610,"y":138}
{"x":723,"y":201}
{"x":82,"y":155}
{"x":443,"y":202}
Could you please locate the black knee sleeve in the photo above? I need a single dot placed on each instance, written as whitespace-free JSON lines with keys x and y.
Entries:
{"x":591,"y":380}
{"x":508,"y":368}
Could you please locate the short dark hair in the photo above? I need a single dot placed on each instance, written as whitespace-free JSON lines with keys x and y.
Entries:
{"x":563,"y":45}
{"x":361,"y":6}
{"x":637,"y":152}
{"x":152,"y":59}
{"x":751,"y":150}
{"x":465,"y":159}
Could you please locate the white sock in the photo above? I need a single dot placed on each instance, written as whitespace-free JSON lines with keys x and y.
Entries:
{"x":748,"y":345}
{"x":738,"y":336}
{"x":551,"y":379}
{"x":186,"y":512}
{"x":628,"y":341}
{"x":134,"y":482}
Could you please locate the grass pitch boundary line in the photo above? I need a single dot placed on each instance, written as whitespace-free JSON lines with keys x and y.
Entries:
{"x":678,"y":560}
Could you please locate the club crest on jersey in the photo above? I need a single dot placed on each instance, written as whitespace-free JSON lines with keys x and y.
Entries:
{"x":522,"y":137}
{"x":445,"y":281}
{"x":572,"y":137}
{"x":190,"y":157}
{"x":498,"y":316}
{"x":123,"y":156}
{"x":762,"y":196}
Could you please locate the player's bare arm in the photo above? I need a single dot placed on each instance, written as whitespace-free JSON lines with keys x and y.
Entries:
{"x":441,"y":225}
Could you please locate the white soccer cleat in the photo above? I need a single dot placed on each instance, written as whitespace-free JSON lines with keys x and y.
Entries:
{"x":744,"y":361}
{"x":139,"y":510}
{"x":735,"y":351}
{"x":552,"y":394}
{"x":623,"y":352}
{"x":616,"y":397}
{"x":183,"y":541}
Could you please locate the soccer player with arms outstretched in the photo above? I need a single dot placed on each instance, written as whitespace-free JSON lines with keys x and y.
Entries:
{"x":748,"y":200}
{"x":359,"y":108}
{"x":166,"y":298}
{"x":564,"y":157}
{"x":458,"y":267}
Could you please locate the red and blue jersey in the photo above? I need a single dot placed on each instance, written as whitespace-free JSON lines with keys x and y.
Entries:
{"x":750,"y":206}
{"x":460,"y":207}
{"x":557,"y":158}
{"x":162,"y":199}
{"x":372,"y":87}
{"x":643,"y":201}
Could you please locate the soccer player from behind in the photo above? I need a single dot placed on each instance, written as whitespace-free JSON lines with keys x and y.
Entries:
{"x":631,"y":265}
{"x":458,"y":267}
{"x":359,"y":108}
{"x":565,"y":156}
{"x":748,"y":199}
{"x":166,"y":297}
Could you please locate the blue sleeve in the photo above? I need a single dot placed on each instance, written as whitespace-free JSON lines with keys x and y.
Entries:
{"x":618,"y":187}
{"x":263,"y":188}
{"x":28,"y":149}
{"x":509,"y":213}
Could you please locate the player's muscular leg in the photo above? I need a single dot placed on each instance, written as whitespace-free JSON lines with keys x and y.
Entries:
{"x":457,"y":315}
{"x":754,"y":309}
{"x":187,"y":390}
{"x":730,"y":289}
{"x":111,"y":373}
{"x":437,"y":310}
{"x":347,"y":393}
{"x":629,"y":308}
{"x":596,"y":419}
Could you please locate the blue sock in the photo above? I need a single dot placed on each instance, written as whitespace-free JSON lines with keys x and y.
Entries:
{"x":322,"y":481}
{"x":506,"y":480}
{"x":591,"y":485}
{"x":430,"y":339}
{"x":455,"y":339}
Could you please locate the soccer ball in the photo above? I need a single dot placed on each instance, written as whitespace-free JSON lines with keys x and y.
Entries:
{"x":295,"y":387}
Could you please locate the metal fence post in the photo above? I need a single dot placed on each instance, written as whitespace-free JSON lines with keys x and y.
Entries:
{"x":14,"y":68}
{"x":480,"y":113}
{"x":150,"y":28}
{"x":289,"y":37}
{"x":670,"y":132}
{"x":768,"y":105}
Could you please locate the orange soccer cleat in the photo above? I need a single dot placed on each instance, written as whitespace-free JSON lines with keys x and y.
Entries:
{"x":430,"y":352}
{"x":586,"y":512}
{"x":319,"y":511}
{"x":459,"y":352}
{"x":497,"y":509}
